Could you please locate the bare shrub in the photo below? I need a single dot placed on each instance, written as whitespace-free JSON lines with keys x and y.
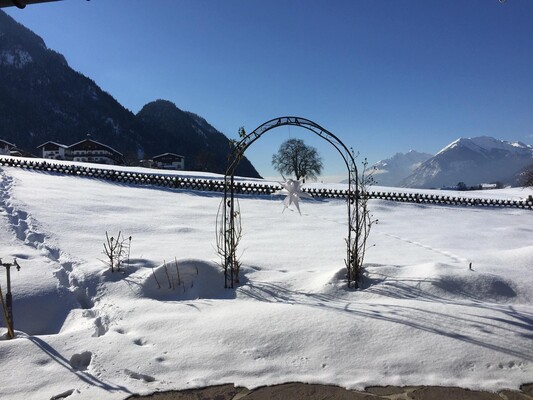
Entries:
{"x":116,"y":251}
{"x":361,"y":222}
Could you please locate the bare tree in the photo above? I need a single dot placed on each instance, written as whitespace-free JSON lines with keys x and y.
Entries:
{"x":526,"y":177}
{"x":295,"y":157}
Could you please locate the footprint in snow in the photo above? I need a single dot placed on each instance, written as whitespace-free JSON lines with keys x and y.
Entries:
{"x":100,"y":327}
{"x":81,"y":361}
{"x":63,"y":395}
{"x":141,"y":377}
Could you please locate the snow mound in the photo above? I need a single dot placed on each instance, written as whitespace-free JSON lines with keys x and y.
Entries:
{"x":186,"y":280}
{"x":475,"y":286}
{"x":43,"y":312}
{"x":439,"y":282}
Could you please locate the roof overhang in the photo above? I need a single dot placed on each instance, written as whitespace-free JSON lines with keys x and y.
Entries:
{"x":21,"y":3}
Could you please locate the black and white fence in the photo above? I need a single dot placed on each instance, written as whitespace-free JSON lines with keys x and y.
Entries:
{"x":249,"y":188}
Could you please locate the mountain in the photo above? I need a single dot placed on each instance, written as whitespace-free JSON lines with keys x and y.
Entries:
{"x":472,"y":161}
{"x":42,"y":99}
{"x":204,"y":148}
{"x":392,"y":171}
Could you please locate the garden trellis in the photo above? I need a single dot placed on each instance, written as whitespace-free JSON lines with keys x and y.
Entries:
{"x":229,"y":228}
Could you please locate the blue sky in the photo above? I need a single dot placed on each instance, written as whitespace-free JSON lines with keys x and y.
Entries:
{"x":385,"y":76}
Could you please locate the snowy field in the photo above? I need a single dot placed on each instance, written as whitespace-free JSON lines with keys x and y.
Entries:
{"x":422,"y":318}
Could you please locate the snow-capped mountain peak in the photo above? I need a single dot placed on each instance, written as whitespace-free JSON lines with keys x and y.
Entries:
{"x":484,"y":144}
{"x":473,"y":161}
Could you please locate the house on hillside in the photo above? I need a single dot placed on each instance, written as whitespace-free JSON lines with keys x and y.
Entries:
{"x":169,"y":161}
{"x":87,"y":150}
{"x":9,"y":149}
{"x":6,"y":148}
{"x":53,"y":150}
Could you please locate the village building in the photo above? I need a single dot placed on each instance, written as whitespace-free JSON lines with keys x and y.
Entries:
{"x":169,"y":161}
{"x":87,"y":150}
{"x":9,"y":149}
{"x":6,"y":148}
{"x":92,"y":151}
{"x":53,"y":150}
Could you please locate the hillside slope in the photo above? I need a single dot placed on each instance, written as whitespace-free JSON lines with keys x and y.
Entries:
{"x":43,"y":98}
{"x":473,"y":161}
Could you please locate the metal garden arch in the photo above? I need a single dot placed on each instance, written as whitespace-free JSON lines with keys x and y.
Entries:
{"x":227,"y":229}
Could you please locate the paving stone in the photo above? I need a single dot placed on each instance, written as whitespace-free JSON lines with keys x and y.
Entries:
{"x":390,"y":390}
{"x":303,"y":391}
{"x":223,"y":392}
{"x":514,"y":395}
{"x":455,"y":393}
{"x":527,"y":388}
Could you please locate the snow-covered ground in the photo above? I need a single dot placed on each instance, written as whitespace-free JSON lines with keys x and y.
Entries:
{"x":422,"y":318}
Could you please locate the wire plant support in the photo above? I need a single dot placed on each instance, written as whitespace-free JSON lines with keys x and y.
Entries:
{"x":229,"y":227}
